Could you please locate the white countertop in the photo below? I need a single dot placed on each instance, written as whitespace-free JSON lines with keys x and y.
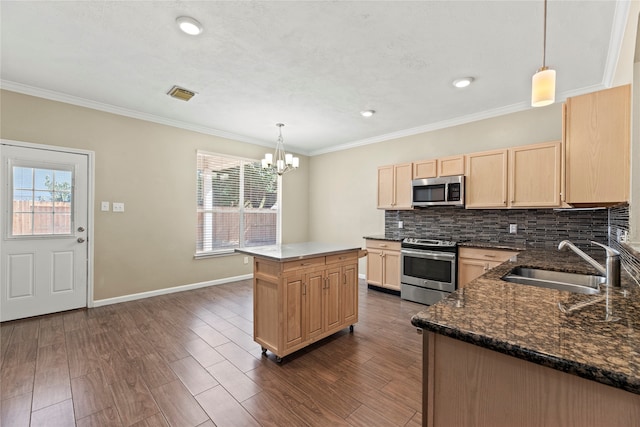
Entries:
{"x":293,"y":251}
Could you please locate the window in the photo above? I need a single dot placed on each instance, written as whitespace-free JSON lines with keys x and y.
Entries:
{"x":237,"y":204}
{"x":41,"y":201}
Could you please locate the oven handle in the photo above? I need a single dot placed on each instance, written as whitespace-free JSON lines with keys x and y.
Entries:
{"x":445,"y":256}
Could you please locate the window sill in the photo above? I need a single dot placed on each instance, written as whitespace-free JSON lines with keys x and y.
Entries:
{"x":214,"y":254}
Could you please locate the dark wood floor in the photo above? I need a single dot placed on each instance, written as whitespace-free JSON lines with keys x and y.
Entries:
{"x":188,"y":359}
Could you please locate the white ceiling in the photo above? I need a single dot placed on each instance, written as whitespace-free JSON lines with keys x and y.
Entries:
{"x":313,"y":65}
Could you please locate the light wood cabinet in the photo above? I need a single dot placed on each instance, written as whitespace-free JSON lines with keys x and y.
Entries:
{"x":383,"y":264}
{"x":597,"y":139}
{"x":394,"y":186}
{"x":529,"y":175}
{"x":474,"y":262}
{"x":468,"y":385}
{"x":445,"y":166}
{"x":534,"y":175}
{"x":299,"y":302}
{"x":486,"y":179}
{"x":450,"y":166}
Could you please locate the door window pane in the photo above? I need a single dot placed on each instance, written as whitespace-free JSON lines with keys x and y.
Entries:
{"x":41,"y":201}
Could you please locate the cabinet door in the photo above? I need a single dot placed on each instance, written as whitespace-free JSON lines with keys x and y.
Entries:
{"x":331,"y":299}
{"x":374,"y":266}
{"x":597,"y":146}
{"x":349,"y":306}
{"x":534,"y":175}
{"x":313,"y":301}
{"x":469,"y":269}
{"x":294,"y":302}
{"x":425,"y":169}
{"x":391,"y":270}
{"x":403,"y":177}
{"x":385,"y":187}
{"x":449,"y":166}
{"x":486,"y":180}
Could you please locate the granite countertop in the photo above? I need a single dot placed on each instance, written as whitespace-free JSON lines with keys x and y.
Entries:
{"x":525,"y":321}
{"x":293,"y":251}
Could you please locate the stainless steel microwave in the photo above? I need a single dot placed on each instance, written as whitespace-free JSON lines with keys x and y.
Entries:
{"x":446,"y":190}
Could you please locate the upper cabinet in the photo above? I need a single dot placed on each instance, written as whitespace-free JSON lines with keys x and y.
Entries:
{"x":486,"y":179}
{"x":534,"y":175}
{"x":597,"y":139}
{"x":519,"y":177}
{"x":446,"y":166}
{"x":394,"y":186}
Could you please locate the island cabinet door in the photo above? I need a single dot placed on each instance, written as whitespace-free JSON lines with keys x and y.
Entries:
{"x":331,"y":300}
{"x":349,"y":305}
{"x":313,"y":293}
{"x":293,"y":301}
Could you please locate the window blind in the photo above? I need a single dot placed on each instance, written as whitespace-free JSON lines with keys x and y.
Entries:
{"x":237,"y":204}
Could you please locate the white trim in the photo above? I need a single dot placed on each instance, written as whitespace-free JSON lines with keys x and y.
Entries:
{"x":91,"y":162}
{"x":108,"y":108}
{"x":165,"y":291}
{"x":615,"y":42}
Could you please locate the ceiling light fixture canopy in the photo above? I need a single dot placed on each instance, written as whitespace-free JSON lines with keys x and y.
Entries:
{"x":367,"y":113}
{"x":189,"y":25}
{"x":543,"y":83}
{"x":463,"y":82}
{"x":280,"y":161}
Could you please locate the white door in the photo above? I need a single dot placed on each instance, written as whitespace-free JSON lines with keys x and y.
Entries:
{"x":44,"y":212}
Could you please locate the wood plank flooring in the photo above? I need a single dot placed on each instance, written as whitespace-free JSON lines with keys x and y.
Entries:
{"x":188,"y":359}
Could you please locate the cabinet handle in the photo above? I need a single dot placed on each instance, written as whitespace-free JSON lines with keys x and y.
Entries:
{"x":304,"y":289}
{"x":342,"y":257}
{"x":489,"y":256}
{"x":344,"y":280}
{"x":303,"y":264}
{"x":382,"y":245}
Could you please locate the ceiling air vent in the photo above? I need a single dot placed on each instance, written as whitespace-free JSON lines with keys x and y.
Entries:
{"x":181,"y":93}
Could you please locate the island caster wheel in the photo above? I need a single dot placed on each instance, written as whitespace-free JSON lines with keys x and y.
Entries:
{"x":350,"y":328}
{"x":278,"y":359}
{"x":264,"y":351}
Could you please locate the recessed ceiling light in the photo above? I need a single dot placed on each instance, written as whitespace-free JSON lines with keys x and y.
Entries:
{"x":189,"y":25}
{"x":463,"y":82}
{"x":367,"y":113}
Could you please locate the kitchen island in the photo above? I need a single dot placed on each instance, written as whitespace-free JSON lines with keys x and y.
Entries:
{"x":503,"y":354}
{"x":302,"y":292}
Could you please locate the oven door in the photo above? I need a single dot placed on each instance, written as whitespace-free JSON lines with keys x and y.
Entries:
{"x":429,"y":269}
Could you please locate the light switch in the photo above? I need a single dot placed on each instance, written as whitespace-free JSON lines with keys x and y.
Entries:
{"x":118,"y":207}
{"x":104,"y":206}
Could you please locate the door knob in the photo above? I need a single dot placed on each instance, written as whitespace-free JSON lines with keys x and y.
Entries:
{"x":80,"y":240}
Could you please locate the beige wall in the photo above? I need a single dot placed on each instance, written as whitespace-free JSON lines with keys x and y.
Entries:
{"x":344,"y":184}
{"x":151,"y":168}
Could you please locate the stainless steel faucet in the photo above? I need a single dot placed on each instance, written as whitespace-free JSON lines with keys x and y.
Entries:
{"x":612,"y":269}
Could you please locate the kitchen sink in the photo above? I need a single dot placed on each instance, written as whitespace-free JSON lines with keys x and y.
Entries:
{"x":560,"y":280}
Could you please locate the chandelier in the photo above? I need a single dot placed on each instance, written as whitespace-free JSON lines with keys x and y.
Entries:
{"x":280,"y":161}
{"x":543,"y":83}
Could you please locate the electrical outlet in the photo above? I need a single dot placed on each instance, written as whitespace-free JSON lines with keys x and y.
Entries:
{"x":118,"y":207}
{"x":400,"y":224}
{"x":513,"y":228}
{"x":246,"y":260}
{"x":104,"y":206}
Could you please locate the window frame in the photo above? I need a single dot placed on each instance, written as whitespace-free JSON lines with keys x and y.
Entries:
{"x":241,"y":204}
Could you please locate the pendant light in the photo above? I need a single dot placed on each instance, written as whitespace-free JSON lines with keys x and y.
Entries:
{"x":543,"y":83}
{"x":280,"y":161}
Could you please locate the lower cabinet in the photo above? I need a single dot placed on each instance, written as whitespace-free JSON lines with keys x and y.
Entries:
{"x":299,"y":302}
{"x":474,"y":262}
{"x":383,"y":264}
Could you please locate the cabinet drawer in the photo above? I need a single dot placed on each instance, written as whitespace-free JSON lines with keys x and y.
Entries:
{"x":383,"y":244}
{"x":348,"y":256}
{"x":494,"y":255}
{"x":303,"y":263}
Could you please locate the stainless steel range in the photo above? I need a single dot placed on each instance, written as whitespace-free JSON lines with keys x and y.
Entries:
{"x":429,"y":269}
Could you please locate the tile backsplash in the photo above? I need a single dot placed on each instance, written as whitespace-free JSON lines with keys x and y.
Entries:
{"x":536,"y":228}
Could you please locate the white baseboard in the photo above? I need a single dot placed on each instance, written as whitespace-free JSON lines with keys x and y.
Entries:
{"x":141,"y":295}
